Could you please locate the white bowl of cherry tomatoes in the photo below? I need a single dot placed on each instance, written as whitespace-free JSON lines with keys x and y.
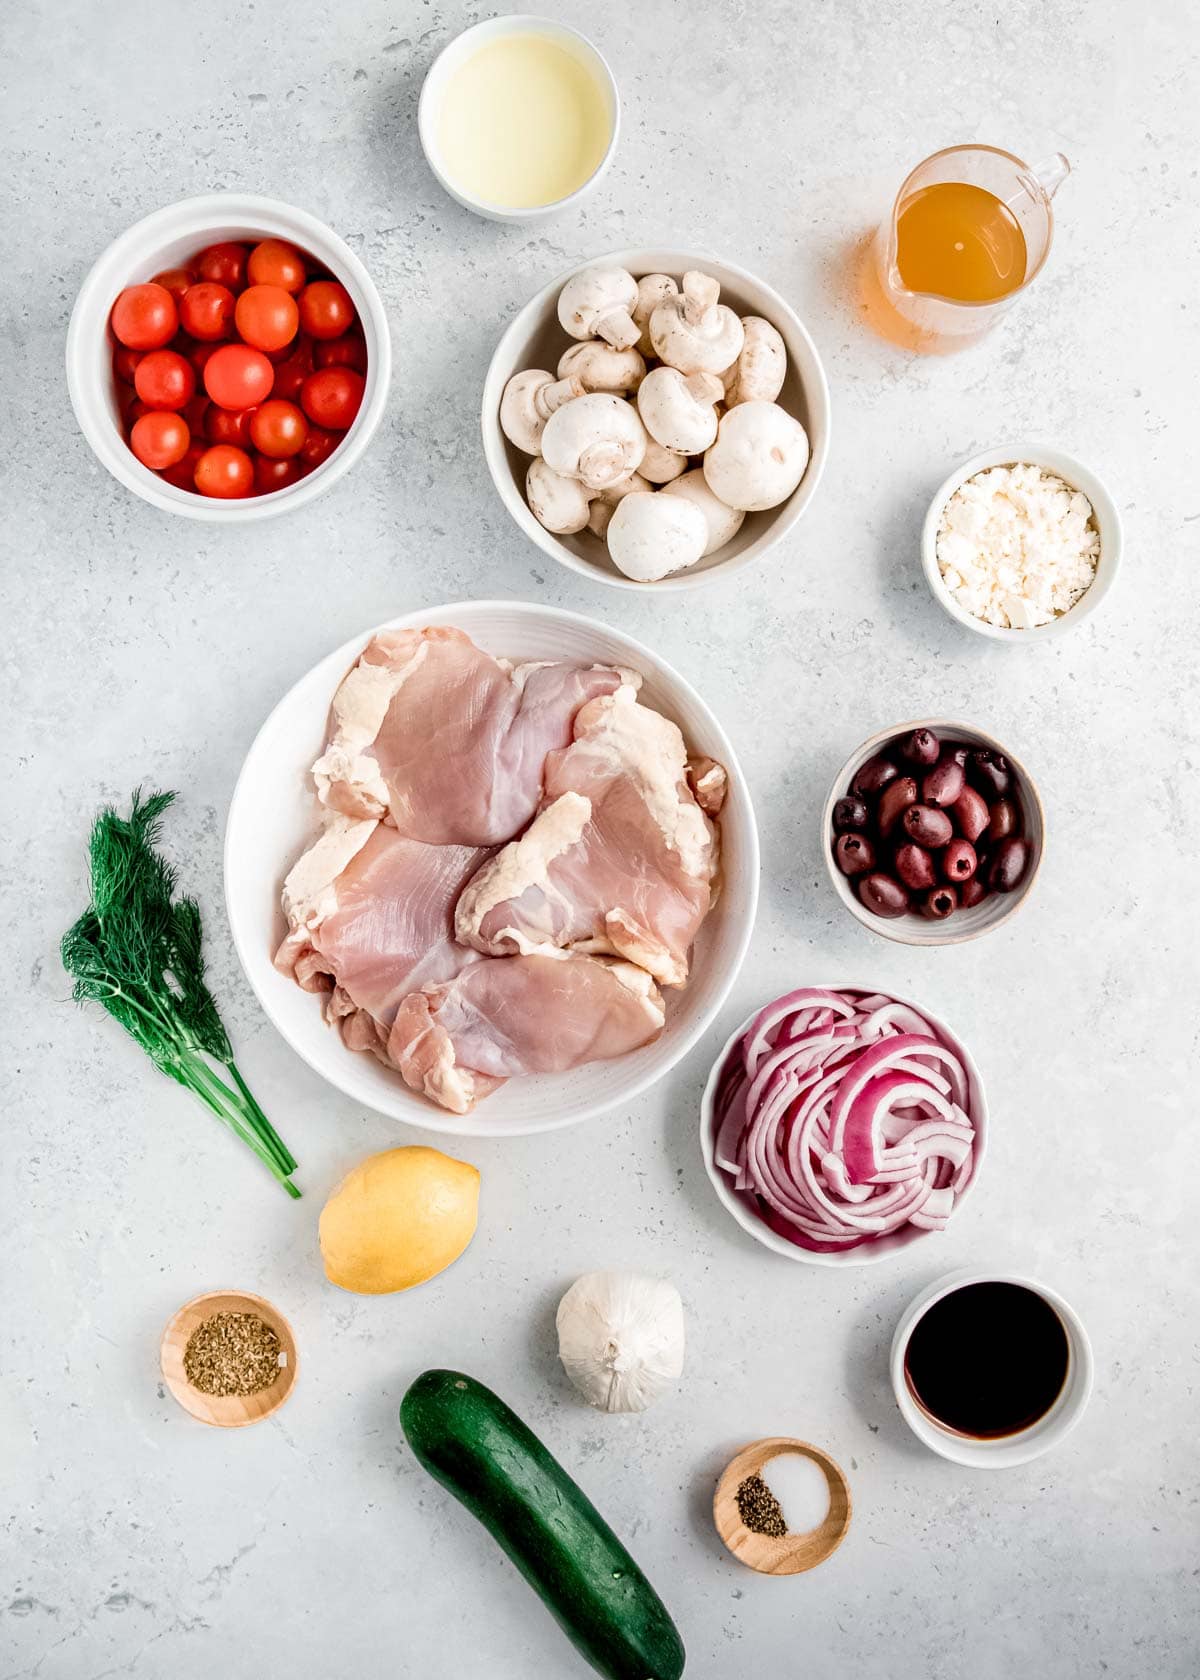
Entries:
{"x":228,"y":358}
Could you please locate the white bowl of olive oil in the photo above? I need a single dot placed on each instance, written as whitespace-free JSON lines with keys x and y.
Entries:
{"x":519,"y":118}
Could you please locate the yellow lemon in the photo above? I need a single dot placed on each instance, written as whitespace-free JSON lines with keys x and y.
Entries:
{"x":398,"y":1219}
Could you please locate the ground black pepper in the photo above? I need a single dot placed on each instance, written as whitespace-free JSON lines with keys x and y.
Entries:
{"x":759,"y":1509}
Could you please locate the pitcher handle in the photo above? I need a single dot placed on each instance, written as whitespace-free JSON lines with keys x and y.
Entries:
{"x":1050,"y":174}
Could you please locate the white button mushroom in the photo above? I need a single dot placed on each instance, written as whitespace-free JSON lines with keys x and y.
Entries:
{"x":758,"y":459}
{"x":529,"y":399}
{"x":651,"y":535}
{"x":677,"y":410}
{"x":605,"y":501}
{"x":597,"y":303}
{"x":601,"y":368}
{"x":758,"y":373}
{"x":724,"y":522}
{"x":653,"y":289}
{"x":661,"y":465}
{"x":557,"y":502}
{"x":597,"y":438}
{"x":695,"y":333}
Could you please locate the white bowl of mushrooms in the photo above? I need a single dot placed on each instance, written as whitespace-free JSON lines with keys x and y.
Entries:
{"x":656,"y":419}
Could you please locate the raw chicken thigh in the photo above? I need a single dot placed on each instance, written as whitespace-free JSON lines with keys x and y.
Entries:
{"x":620,"y":859}
{"x":513,"y":1015}
{"x":446,"y":741}
{"x":376,"y":922}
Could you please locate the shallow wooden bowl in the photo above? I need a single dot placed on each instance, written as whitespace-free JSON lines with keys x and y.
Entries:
{"x":234,"y":1410}
{"x":790,"y":1554}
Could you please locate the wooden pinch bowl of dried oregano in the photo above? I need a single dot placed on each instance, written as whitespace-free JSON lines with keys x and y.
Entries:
{"x":752,"y":1523}
{"x":229,"y":1358}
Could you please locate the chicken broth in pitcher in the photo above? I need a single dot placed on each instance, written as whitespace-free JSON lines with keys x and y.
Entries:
{"x":987,"y":1360}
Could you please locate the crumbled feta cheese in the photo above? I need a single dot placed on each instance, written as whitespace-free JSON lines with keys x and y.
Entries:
{"x":1017,"y":546}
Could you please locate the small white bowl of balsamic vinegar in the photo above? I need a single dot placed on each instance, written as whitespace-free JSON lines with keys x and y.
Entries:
{"x":519,"y":118}
{"x":991,"y":1369}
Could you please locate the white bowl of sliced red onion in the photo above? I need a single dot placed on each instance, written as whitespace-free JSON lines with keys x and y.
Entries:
{"x":841,"y":1124}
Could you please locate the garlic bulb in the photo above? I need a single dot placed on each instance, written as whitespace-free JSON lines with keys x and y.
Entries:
{"x":620,"y":1338}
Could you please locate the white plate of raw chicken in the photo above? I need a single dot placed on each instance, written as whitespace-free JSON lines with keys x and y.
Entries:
{"x":275,"y":816}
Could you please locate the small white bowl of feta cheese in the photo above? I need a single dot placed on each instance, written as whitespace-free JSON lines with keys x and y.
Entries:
{"x":1021,"y":543}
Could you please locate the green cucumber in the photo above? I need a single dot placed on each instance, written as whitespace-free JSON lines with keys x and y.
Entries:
{"x":478,"y":1448}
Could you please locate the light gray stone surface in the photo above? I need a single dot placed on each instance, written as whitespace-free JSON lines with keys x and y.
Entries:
{"x":141,"y":648}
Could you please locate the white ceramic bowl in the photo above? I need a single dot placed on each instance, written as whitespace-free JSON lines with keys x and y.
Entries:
{"x":460,"y":49}
{"x":1072,"y":472}
{"x":168,"y":239}
{"x":273,"y":816}
{"x":1009,"y":1450}
{"x":996,"y":908}
{"x":867,"y":1254}
{"x":535,"y":339}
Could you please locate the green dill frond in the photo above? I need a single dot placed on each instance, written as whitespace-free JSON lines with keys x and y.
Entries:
{"x":138,"y":952}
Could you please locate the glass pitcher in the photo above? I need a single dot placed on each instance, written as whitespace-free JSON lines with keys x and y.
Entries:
{"x":934,"y":322}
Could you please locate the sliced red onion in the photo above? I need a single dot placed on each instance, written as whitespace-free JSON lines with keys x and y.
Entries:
{"x":841,"y":1117}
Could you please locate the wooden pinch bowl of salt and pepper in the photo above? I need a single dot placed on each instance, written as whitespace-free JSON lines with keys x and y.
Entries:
{"x":776,"y":1553}
{"x":235,"y":1340}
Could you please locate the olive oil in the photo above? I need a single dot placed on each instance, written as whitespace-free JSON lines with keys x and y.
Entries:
{"x":959,"y":242}
{"x":988,"y":1360}
{"x":523,"y":123}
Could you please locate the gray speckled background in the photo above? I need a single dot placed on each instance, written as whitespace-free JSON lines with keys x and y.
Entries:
{"x":136,"y":1542}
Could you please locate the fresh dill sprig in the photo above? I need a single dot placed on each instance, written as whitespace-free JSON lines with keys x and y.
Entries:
{"x":137,"y":950}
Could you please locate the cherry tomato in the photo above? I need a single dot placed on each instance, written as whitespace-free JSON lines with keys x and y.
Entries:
{"x":225,"y":472}
{"x":165,"y":379}
{"x":291,"y":373}
{"x":331,"y":397}
{"x":348,"y":351}
{"x":160,"y":439}
{"x":200,"y":355}
{"x":237,"y":376}
{"x":278,"y":429}
{"x":125,"y":362}
{"x":275,"y":474}
{"x":133,"y":410}
{"x":174,"y":280}
{"x":207,"y":311}
{"x":325,"y":309}
{"x":195,"y":413}
{"x":145,"y":317}
{"x":318,"y":446}
{"x":229,"y":425}
{"x":225,"y":264}
{"x":276,"y":263}
{"x":267,"y":317}
{"x":183,"y":474}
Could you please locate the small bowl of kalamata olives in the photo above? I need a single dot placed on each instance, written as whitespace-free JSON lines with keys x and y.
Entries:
{"x":934,"y":833}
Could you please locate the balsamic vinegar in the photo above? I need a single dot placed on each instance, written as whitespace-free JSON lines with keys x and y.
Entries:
{"x":987,"y":1360}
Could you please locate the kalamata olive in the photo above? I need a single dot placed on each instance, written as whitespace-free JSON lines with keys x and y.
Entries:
{"x":882,"y":895}
{"x":928,"y":826}
{"x":921,"y":747}
{"x":958,"y":861}
{"x":970,"y":813}
{"x":971,"y":892}
{"x":854,"y":854}
{"x":874,"y":775}
{"x":940,"y":903}
{"x":943,"y":784}
{"x":1009,"y":863}
{"x":894,"y":800}
{"x":990,"y":772}
{"x":914,"y":866}
{"x":1003,"y":819}
{"x":850,"y":815}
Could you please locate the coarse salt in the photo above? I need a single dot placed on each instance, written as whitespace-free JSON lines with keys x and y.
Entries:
{"x":1017,"y":546}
